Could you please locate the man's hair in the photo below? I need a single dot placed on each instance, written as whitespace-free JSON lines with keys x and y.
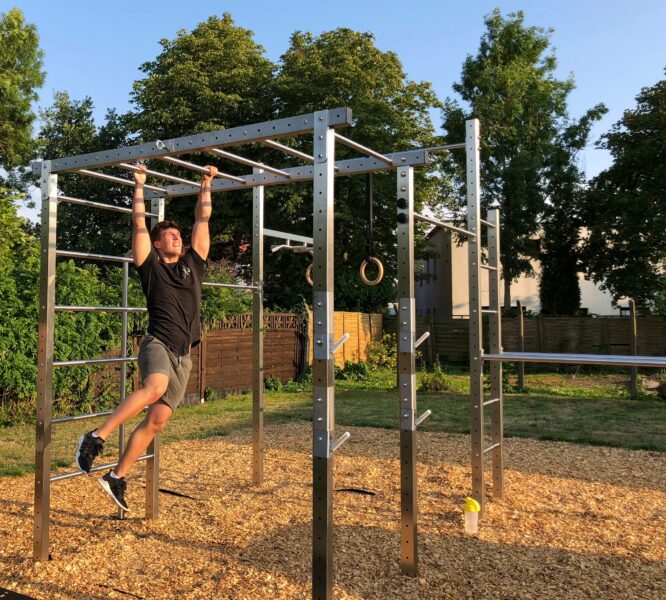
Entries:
{"x":160,"y":227}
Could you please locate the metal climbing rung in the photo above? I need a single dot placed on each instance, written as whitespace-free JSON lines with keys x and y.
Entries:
{"x":489,"y":448}
{"x":423,"y":417}
{"x":492,"y":401}
{"x":341,"y":440}
{"x":94,"y":469}
{"x":337,"y":346}
{"x":422,"y":339}
{"x":489,"y":268}
{"x":488,"y":224}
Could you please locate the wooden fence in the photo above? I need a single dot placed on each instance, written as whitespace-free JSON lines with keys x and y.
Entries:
{"x":571,"y":335}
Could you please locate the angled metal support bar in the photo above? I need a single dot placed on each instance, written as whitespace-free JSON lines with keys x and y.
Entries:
{"x":81,"y":417}
{"x":491,"y":401}
{"x":422,"y":418}
{"x":305,"y":249}
{"x":94,"y":361}
{"x":341,"y":440}
{"x":165,"y":176}
{"x":611,"y":360}
{"x":94,"y":469}
{"x":288,"y":150}
{"x":236,"y":286}
{"x":422,"y":339}
{"x":362,"y":149}
{"x":488,"y":268}
{"x":448,"y":226}
{"x":461,"y":145}
{"x":258,"y":132}
{"x":340,"y":343}
{"x":100,"y":205}
{"x":250,"y":163}
{"x":125,"y":309}
{"x":488,"y":224}
{"x":199,"y":169}
{"x":120,"y":180}
{"x":71,"y":254}
{"x":491,"y":447}
{"x":290,"y":237}
{"x":353,"y":166}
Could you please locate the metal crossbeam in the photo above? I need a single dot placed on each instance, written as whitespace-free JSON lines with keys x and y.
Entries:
{"x":152,"y":173}
{"x":611,"y":360}
{"x":258,"y":132}
{"x":114,"y":179}
{"x":443,"y":225}
{"x":250,"y":163}
{"x":199,"y":169}
{"x":100,"y":205}
{"x":363,"y":149}
{"x":289,"y":237}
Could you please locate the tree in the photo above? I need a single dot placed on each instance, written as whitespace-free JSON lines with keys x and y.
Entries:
{"x":559,"y":251}
{"x":20,"y":75}
{"x":509,"y":85}
{"x":391,"y":113}
{"x":624,"y":210}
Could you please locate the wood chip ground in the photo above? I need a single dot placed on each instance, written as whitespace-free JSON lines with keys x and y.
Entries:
{"x":577,"y":522}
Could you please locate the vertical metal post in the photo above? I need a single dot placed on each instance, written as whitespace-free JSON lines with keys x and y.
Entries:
{"x":521,"y":344}
{"x":123,"y":366}
{"x":49,"y":188}
{"x":633,"y":347}
{"x":475,"y":322}
{"x":495,"y":331}
{"x":407,"y":373}
{"x":323,"y":361}
{"x":258,"y":333}
{"x":153,"y":464}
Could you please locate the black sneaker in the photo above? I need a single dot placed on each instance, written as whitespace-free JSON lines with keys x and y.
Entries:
{"x":87,"y":450}
{"x":114,"y":488}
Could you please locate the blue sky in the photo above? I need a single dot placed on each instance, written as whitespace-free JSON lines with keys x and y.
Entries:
{"x":612,"y":48}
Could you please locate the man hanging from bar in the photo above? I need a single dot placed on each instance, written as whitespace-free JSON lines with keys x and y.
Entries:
{"x":171,"y":279}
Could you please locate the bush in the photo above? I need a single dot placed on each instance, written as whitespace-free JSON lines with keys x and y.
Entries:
{"x":273,"y":384}
{"x":353,"y":371}
{"x":434,"y":381}
{"x":383,"y":354}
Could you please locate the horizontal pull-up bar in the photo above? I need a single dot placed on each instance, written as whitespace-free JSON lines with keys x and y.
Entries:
{"x":288,"y":150}
{"x":114,"y":179}
{"x":71,"y":254}
{"x":111,"y":207}
{"x":237,"y":286}
{"x":305,"y":249}
{"x":362,"y":149}
{"x":94,"y":361}
{"x":166,"y":176}
{"x":458,"y":146}
{"x":610,"y":360}
{"x":200,"y":169}
{"x":248,"y":162}
{"x":289,"y":237}
{"x":127,"y":309}
{"x":437,"y":223}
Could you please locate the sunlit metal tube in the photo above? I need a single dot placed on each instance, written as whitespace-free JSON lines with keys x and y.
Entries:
{"x":610,"y":360}
{"x":93,"y":361}
{"x":152,"y":173}
{"x":423,"y":417}
{"x":101,"y":205}
{"x":288,"y":150}
{"x":114,"y":179}
{"x":488,"y":224}
{"x":81,"y":417}
{"x":94,"y":469}
{"x":341,"y":440}
{"x":445,"y":147}
{"x":291,"y":237}
{"x":250,"y":163}
{"x":363,"y":149}
{"x":133,"y":309}
{"x":437,"y":223}
{"x":72,"y":254}
{"x":422,"y":339}
{"x":239,"y":286}
{"x":200,"y":169}
{"x":337,"y":346}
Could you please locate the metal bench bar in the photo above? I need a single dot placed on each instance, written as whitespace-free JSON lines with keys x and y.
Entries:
{"x":580,"y":359}
{"x":488,"y":224}
{"x":93,"y":361}
{"x":124,"y":309}
{"x":250,"y":163}
{"x":437,"y":223}
{"x":114,"y":179}
{"x":72,"y":254}
{"x":291,"y":237}
{"x":199,"y":169}
{"x":488,"y":268}
{"x":491,"y":401}
{"x":288,"y":150}
{"x":94,"y":469}
{"x":362,"y":149}
{"x":101,"y":205}
{"x":238,"y":286}
{"x":166,"y":176}
{"x":80,"y":417}
{"x":489,"y":448}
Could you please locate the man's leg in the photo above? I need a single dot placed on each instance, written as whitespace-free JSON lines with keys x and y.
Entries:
{"x":156,"y":418}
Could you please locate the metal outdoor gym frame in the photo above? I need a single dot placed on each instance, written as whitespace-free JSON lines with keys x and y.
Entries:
{"x":321,"y":170}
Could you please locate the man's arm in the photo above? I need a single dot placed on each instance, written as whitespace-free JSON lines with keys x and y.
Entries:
{"x":202,"y":212}
{"x":140,"y":235}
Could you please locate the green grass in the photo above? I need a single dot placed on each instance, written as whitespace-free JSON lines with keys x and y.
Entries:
{"x":587,"y":409}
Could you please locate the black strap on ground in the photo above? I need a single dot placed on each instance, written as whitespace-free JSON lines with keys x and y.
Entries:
{"x":368,"y":208}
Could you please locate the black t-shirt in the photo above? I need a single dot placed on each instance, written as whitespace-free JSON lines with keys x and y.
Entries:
{"x":173,"y":292}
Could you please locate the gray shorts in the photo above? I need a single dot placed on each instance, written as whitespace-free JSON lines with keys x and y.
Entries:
{"x":155,"y":357}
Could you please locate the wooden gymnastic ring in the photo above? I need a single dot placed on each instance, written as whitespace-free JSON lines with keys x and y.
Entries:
{"x":380,"y":268}
{"x":308,"y":275}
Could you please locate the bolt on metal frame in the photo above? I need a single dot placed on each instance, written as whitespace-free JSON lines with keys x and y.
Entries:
{"x":321,"y":170}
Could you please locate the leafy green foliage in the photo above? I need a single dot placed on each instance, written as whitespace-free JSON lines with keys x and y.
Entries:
{"x":434,"y":380}
{"x":624,"y":210}
{"x":384,"y":354}
{"x":20,"y":75}
{"x":353,"y":371}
